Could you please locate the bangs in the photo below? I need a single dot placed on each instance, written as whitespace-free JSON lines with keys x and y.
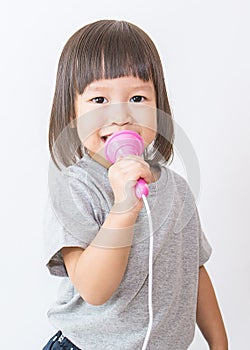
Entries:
{"x":114,"y":50}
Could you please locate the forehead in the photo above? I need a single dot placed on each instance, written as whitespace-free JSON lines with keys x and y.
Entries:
{"x":131,"y":83}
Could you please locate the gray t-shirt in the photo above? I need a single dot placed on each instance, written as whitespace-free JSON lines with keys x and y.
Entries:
{"x":80,"y":199}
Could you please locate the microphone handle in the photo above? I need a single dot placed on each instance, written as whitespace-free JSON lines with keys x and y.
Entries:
{"x":141,"y":188}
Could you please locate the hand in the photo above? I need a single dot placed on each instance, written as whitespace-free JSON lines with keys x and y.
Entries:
{"x":123,"y":176}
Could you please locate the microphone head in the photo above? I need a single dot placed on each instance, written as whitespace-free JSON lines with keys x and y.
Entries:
{"x":123,"y":143}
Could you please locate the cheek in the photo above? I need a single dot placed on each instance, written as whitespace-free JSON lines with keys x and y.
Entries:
{"x":148,"y":135}
{"x":146,"y":118}
{"x":88,"y":125}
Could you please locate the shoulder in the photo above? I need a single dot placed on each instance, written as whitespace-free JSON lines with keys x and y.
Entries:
{"x":77,"y":170}
{"x":72,"y":186}
{"x":84,"y":175}
{"x":86,"y":170}
{"x":181,"y":194}
{"x":175,"y":179}
{"x":178,"y":179}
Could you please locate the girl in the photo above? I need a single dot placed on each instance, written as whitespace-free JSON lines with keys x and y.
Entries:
{"x":109,"y":79}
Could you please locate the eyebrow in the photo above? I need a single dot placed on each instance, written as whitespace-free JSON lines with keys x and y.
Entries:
{"x":142,"y":87}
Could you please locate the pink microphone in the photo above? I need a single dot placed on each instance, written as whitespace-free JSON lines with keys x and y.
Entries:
{"x":125,"y":143}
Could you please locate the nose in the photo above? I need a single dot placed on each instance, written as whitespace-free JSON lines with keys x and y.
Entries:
{"x":120,"y":123}
{"x":120,"y":114}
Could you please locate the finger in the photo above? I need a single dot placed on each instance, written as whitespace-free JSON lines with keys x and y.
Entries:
{"x":132,"y":159}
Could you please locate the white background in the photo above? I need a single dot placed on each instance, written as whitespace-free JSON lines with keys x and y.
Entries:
{"x":204,"y":46}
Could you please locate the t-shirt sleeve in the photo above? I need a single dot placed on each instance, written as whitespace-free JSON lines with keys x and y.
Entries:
{"x":205,"y":249}
{"x":189,"y":219}
{"x":69,"y":220}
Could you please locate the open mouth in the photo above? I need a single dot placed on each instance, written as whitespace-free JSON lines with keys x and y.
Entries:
{"x":104,"y":138}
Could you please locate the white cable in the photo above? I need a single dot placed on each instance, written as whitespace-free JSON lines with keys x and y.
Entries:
{"x":150,"y":273}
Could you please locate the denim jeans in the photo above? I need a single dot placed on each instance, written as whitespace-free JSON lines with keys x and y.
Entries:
{"x":59,"y":342}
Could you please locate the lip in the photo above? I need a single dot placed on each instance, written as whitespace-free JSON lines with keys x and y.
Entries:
{"x":105,"y":136}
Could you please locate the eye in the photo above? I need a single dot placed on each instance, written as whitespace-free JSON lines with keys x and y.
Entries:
{"x":99,"y":99}
{"x":137,"y":99}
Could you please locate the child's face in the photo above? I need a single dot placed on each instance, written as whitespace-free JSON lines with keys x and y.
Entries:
{"x":111,"y":105}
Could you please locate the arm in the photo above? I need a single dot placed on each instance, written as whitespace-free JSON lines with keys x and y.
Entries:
{"x":209,"y":318}
{"x":97,"y":271}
